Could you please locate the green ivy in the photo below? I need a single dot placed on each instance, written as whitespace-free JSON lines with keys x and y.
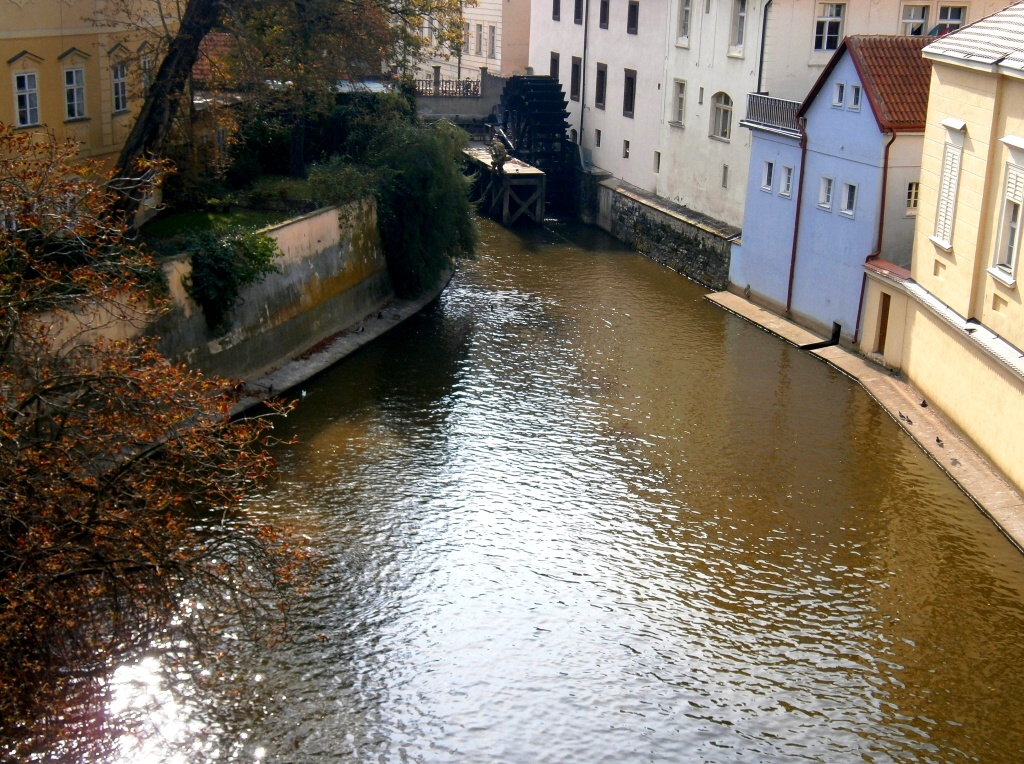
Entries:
{"x":222,"y":265}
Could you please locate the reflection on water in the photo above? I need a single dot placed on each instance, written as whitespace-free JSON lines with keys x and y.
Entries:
{"x":574,"y":513}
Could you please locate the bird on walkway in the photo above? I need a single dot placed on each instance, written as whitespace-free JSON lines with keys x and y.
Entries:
{"x":902,"y":416}
{"x":924,"y":403}
{"x":955,"y":462}
{"x":939,"y":441}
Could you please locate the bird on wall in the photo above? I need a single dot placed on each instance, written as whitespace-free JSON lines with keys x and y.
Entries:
{"x":939,"y":441}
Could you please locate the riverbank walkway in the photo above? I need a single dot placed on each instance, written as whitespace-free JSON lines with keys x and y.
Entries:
{"x":940,"y":440}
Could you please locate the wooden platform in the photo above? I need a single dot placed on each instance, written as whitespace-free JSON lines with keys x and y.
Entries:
{"x":510,"y":191}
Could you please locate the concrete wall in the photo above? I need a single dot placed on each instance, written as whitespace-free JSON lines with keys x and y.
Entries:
{"x":333,"y":274}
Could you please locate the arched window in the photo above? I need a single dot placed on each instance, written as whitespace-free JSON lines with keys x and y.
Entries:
{"x":721,"y":116}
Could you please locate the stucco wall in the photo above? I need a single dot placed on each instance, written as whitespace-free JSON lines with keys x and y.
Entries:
{"x":332,"y":274}
{"x":975,"y":392}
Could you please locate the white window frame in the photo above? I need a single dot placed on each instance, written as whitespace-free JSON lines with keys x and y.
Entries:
{"x":721,"y":116}
{"x":1008,"y":245}
{"x":479,"y":49}
{"x":828,"y":26}
{"x":738,"y":28}
{"x":625,"y":149}
{"x":786,"y":189}
{"x":26,"y":98}
{"x":825,"y":193}
{"x":767,"y":176}
{"x":848,"y":201}
{"x":119,"y":83}
{"x":146,"y":72}
{"x":914,"y":20}
{"x":74,"y":93}
{"x":839,"y":95}
{"x":946,"y":19}
{"x":949,"y":181}
{"x":683,"y":24}
{"x":856,"y":94}
{"x":492,"y":42}
{"x":679,"y":103}
{"x":913,"y":198}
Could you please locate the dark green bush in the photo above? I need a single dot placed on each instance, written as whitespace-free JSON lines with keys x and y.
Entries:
{"x":222,"y":264}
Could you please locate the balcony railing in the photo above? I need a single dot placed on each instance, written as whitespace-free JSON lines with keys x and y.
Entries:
{"x":772,"y":113}
{"x":451,"y":88}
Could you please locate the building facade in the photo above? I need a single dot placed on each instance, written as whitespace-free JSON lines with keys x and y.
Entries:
{"x":73,"y":71}
{"x":496,"y":36}
{"x":955,"y":323}
{"x":831,"y":183}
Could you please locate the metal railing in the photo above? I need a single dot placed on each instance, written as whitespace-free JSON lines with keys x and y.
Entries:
{"x":452,"y":88}
{"x":777,"y":113}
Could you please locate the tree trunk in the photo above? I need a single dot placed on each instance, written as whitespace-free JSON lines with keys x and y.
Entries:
{"x":161,"y":105}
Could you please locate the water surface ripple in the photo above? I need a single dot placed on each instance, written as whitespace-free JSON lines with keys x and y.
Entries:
{"x":575,"y":513}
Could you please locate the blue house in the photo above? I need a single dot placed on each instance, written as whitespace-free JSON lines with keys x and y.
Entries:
{"x":833,"y":183}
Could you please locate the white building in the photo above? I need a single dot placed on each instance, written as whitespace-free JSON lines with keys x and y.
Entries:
{"x":610,"y":57}
{"x":496,"y":35}
{"x":689,"y":65}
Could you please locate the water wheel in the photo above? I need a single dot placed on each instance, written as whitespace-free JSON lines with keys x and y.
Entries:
{"x":535,"y":124}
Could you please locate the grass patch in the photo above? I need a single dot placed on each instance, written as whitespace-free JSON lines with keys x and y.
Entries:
{"x":173,"y":224}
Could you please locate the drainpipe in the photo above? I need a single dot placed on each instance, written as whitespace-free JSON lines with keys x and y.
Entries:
{"x":799,"y":207}
{"x":881,"y":227}
{"x":583,"y":74}
{"x":760,"y":55}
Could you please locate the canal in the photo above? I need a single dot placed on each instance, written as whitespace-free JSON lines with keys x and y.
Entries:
{"x":575,"y":513}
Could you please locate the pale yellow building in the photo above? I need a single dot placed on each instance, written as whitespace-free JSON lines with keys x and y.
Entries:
{"x":72,"y":68}
{"x":955,"y":323}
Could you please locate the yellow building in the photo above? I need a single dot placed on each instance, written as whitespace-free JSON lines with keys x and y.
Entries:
{"x":74,"y":70}
{"x":955,"y":323}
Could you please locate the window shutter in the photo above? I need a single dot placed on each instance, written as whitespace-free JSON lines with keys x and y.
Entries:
{"x":947,"y":193}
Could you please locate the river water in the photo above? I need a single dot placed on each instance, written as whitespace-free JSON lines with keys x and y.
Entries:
{"x":575,"y":513}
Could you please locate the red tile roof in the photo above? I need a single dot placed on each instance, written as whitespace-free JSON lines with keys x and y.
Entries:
{"x":895,"y":77}
{"x":213,"y":54}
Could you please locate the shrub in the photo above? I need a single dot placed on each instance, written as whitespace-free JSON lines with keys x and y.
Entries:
{"x":222,"y":264}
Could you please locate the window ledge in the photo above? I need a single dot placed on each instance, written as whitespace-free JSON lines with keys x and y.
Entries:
{"x":32,"y":126}
{"x":825,"y":207}
{"x":718,"y":138}
{"x":846,"y":214}
{"x":945,"y":246}
{"x":121,"y":112}
{"x":766,"y":189}
{"x":674,"y":123}
{"x":1003,"y":276}
{"x":76,"y":119}
{"x":682,"y":42}
{"x":735,"y":51}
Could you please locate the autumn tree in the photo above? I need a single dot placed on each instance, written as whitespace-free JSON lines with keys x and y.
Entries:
{"x":118,"y":470}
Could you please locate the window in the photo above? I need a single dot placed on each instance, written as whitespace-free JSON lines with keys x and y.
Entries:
{"x":1008,"y":247}
{"x":839,"y":94}
{"x":657,"y":161}
{"x":629,"y":93}
{"x":739,"y":26}
{"x":768,"y":176}
{"x":625,"y":149}
{"x":914,"y":20}
{"x":633,"y":16}
{"x":146,"y":67}
{"x":574,"y":79}
{"x":683,"y":29}
{"x":119,"y":77}
{"x":787,"y":182}
{"x":913,"y":192}
{"x":600,"y":85}
{"x":854,"y":104}
{"x":553,"y":71}
{"x":492,"y":42}
{"x":597,"y":138}
{"x":848,"y":201}
{"x":725,"y":176}
{"x":603,"y":14}
{"x":577,"y":12}
{"x":825,"y":193}
{"x":26,"y":91}
{"x":556,"y":9}
{"x":74,"y":93}
{"x":679,"y":104}
{"x":721,"y":116}
{"x":947,"y":195}
{"x":828,"y":29}
{"x":951,"y":17}
{"x":479,"y":39}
